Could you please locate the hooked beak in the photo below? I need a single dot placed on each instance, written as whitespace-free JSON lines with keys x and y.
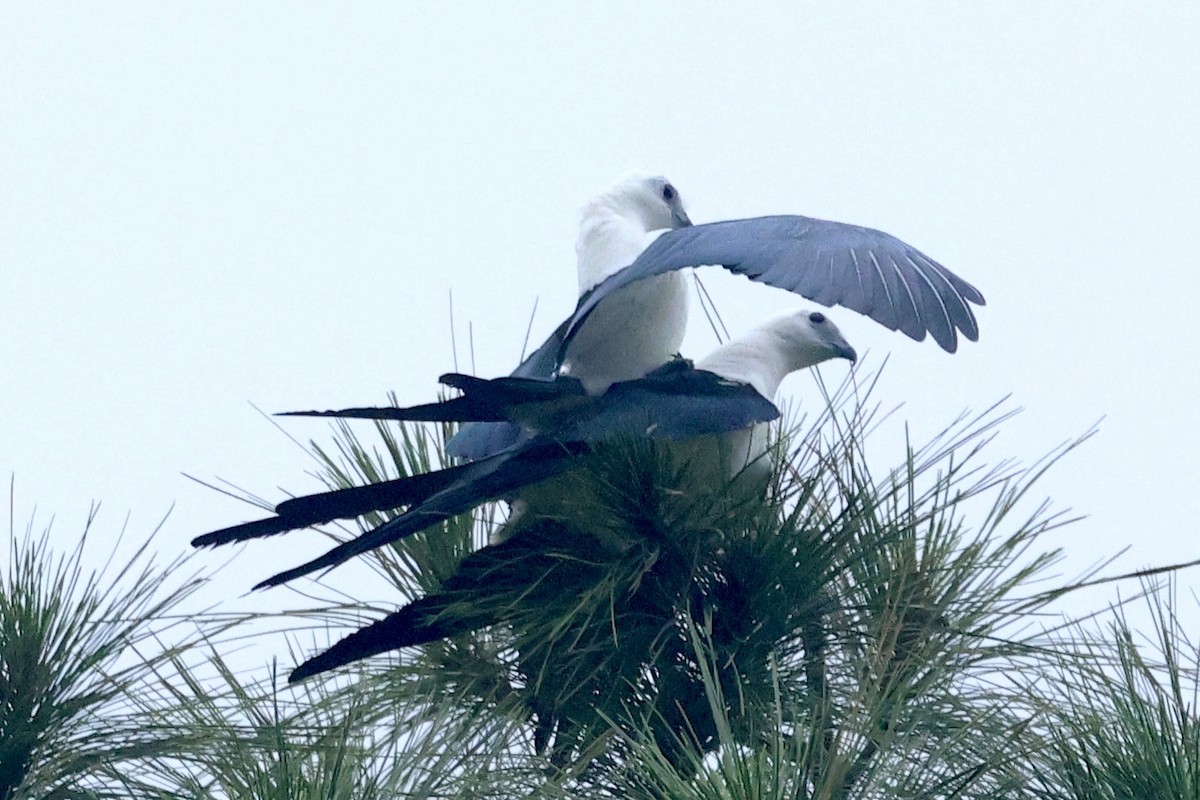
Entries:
{"x":682,"y":220}
{"x":847,"y":352}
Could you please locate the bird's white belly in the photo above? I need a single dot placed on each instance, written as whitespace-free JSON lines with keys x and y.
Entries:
{"x":635,"y":330}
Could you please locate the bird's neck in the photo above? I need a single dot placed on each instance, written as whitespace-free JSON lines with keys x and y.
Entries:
{"x":756,"y":359}
{"x":610,"y":237}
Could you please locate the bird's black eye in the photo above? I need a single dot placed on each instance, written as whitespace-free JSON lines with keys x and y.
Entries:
{"x":668,"y":193}
{"x":816,"y":318}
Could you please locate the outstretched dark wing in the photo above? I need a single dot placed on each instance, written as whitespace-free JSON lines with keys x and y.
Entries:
{"x":317,"y":509}
{"x":510,"y":399}
{"x":833,"y":263}
{"x":478,"y":482}
{"x":413,"y":624}
{"x":469,"y":599}
{"x":498,"y":399}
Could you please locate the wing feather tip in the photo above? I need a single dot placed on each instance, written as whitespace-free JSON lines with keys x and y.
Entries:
{"x":273,"y":581}
{"x":305,"y":670}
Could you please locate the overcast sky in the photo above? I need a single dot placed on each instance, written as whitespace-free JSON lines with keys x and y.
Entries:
{"x":208,"y":206}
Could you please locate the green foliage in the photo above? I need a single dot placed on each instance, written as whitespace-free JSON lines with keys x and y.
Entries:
{"x":258,"y":742}
{"x":1121,"y":720}
{"x":858,"y":617}
{"x":842,"y":632}
{"x":75,"y":647}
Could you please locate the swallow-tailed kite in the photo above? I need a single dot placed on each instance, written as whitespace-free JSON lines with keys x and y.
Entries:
{"x":726,"y":396}
{"x":719,"y":406}
{"x":615,"y":227}
{"x":634,"y":239}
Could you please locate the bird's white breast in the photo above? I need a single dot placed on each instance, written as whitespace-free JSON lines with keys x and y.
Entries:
{"x":635,"y":329}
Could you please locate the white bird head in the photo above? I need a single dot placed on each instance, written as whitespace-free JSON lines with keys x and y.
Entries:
{"x":784,"y":344}
{"x":650,"y":201}
{"x":809,"y":337}
{"x":620,"y":222}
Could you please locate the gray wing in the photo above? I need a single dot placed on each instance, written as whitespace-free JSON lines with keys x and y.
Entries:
{"x":833,"y":263}
{"x":476,"y":440}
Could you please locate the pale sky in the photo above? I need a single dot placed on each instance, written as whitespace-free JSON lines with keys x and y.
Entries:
{"x":208,"y":206}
